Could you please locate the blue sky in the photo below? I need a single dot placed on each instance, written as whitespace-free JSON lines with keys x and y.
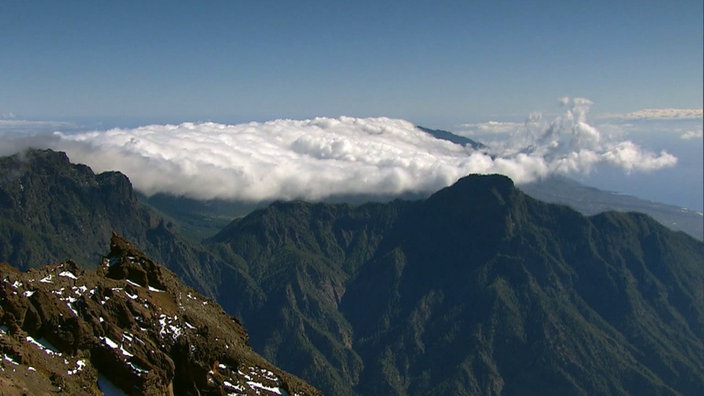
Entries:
{"x":437,"y":63}
{"x":465,"y":66}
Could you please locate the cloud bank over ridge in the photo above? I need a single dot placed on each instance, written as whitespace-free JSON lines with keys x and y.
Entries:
{"x":323,"y":157}
{"x":659,"y":114}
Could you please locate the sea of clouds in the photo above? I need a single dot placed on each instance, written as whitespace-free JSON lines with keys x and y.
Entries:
{"x":323,"y":157}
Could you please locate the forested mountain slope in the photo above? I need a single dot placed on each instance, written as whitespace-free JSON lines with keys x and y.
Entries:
{"x":478,"y":289}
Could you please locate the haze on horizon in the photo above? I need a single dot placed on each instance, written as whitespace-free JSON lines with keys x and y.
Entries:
{"x":482,"y":70}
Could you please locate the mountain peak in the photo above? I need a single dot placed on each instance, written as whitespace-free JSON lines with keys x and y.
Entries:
{"x":475,"y":193}
{"x":48,"y":155}
{"x":451,"y":137}
{"x":43,"y":194}
{"x":478,"y":181}
{"x":120,"y":247}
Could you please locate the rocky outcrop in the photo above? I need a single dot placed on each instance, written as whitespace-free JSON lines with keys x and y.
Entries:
{"x":130,"y":326}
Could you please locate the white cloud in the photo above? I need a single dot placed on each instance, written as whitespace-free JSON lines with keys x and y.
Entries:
{"x":489,"y":127}
{"x":10,"y":124}
{"x":16,"y":134}
{"x":277,"y":159}
{"x":313,"y":159}
{"x":629,"y":156}
{"x":569,"y":144}
{"x":658,"y":114}
{"x":694,"y":134}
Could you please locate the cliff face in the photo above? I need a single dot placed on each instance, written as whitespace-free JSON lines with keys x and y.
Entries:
{"x":52,"y":210}
{"x":130,"y":325}
{"x":48,"y":203}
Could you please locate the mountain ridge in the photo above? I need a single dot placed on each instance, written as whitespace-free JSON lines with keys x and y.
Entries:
{"x":478,"y":289}
{"x":57,"y":210}
{"x":518,"y":249}
{"x":591,"y":201}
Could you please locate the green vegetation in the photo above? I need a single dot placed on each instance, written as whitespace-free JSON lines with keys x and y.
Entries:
{"x":478,"y":289}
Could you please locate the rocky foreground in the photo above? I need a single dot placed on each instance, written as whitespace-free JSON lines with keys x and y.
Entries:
{"x":131,"y":327}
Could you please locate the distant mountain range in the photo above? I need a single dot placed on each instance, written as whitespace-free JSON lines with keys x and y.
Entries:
{"x":476,"y":289}
{"x":199,"y":219}
{"x":591,"y":201}
{"x":451,"y":137}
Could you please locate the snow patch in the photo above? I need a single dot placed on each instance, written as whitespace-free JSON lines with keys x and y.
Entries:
{"x":136,"y":368}
{"x":168,"y":326}
{"x":259,"y":385}
{"x":230,"y":385}
{"x":79,"y":366}
{"x":68,"y":274}
{"x":72,"y":309}
{"x":9,"y":359}
{"x":131,"y":296}
{"x":135,"y":284}
{"x":79,"y":290}
{"x":44,"y":345}
{"x":125,"y":352}
{"x":112,"y":344}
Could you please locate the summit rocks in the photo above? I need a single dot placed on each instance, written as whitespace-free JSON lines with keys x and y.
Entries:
{"x":130,"y":325}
